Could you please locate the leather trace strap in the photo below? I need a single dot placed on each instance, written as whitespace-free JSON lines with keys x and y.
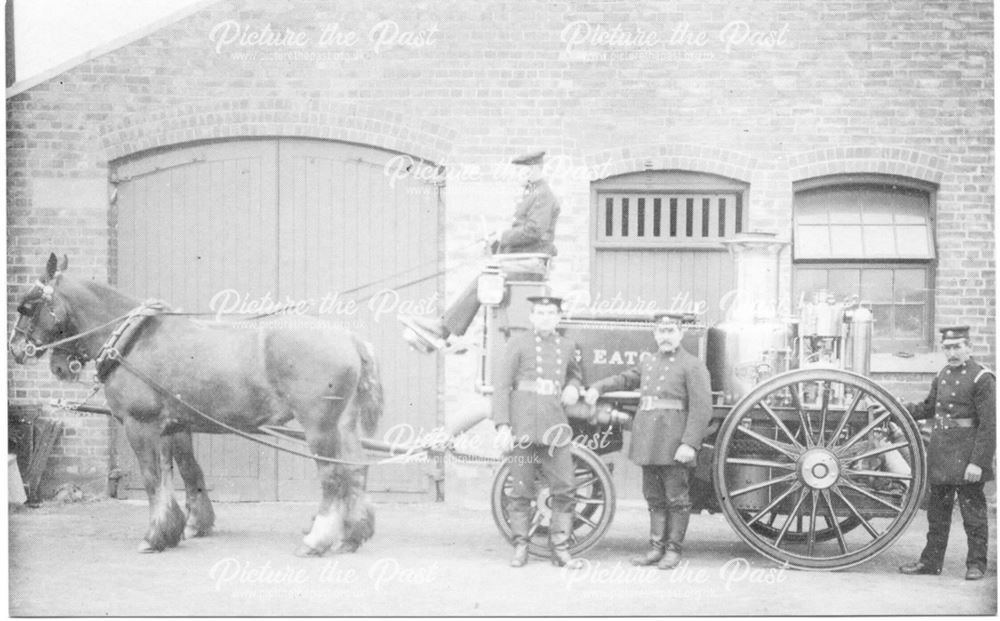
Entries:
{"x":119,"y":359}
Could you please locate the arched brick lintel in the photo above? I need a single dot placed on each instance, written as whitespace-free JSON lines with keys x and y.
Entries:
{"x":883,"y":160}
{"x":234,"y":118}
{"x":697,"y":158}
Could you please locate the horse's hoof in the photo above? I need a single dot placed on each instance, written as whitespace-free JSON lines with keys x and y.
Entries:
{"x":305,"y":551}
{"x":145,"y":548}
{"x":190,"y":532}
{"x":347,"y":547}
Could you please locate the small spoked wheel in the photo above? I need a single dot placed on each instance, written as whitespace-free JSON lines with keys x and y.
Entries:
{"x":595,"y":504}
{"x":819,"y":468}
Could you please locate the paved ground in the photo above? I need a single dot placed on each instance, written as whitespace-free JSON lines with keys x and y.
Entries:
{"x":434,"y":559}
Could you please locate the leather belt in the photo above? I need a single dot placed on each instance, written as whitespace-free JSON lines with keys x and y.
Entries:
{"x":940,"y":422}
{"x":542,"y":387}
{"x":653,"y":403}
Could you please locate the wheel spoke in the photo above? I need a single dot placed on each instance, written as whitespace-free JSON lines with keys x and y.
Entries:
{"x":846,"y":417}
{"x":536,"y":521}
{"x":781,"y":425}
{"x":811,"y":541}
{"x":774,"y":503}
{"x":836,"y":525}
{"x":824,"y":406}
{"x":857,"y":514}
{"x":840,"y":450}
{"x":583,"y":484}
{"x":762,"y":485}
{"x":586,"y":521}
{"x":864,"y":492}
{"x":803,"y":421}
{"x":788,"y":522}
{"x":781,"y":447}
{"x":875,"y":452}
{"x":800,"y":410}
{"x":589,"y":501}
{"x":879,"y":474}
{"x":747,"y":461}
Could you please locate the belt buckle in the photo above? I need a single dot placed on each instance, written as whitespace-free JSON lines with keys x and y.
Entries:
{"x":545,"y":387}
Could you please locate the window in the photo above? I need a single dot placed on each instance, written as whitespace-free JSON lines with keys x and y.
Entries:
{"x":668,"y":218}
{"x":657,"y":238}
{"x":871,"y":239}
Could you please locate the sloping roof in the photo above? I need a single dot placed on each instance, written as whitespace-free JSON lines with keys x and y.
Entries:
{"x":22,"y":85}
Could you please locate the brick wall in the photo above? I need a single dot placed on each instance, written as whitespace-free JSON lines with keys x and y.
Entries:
{"x":818,"y":88}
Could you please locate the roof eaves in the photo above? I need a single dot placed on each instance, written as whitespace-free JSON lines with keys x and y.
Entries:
{"x":19,"y":87}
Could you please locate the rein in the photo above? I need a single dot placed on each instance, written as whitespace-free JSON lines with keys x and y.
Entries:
{"x":114,"y":354}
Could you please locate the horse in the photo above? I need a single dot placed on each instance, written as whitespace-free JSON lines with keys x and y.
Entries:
{"x":243,"y":374}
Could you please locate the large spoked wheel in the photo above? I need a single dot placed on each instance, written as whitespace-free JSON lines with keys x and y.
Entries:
{"x":819,"y":468}
{"x":595,"y":504}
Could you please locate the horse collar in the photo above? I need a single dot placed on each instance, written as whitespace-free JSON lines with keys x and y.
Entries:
{"x":117,"y":345}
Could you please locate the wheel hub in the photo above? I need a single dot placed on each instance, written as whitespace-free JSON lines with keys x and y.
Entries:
{"x":544,"y":504}
{"x":819,"y":468}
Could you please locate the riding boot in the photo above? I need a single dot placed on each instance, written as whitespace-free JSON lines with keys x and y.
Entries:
{"x":560,"y":529}
{"x":657,"y":535}
{"x":677,"y":523}
{"x":520,"y":523}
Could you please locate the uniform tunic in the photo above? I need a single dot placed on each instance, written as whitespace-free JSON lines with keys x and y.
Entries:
{"x":964,"y":393}
{"x":550,"y":361}
{"x":534,"y":226}
{"x":657,"y":433}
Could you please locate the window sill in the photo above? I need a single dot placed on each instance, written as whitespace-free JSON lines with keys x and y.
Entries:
{"x":930,"y":362}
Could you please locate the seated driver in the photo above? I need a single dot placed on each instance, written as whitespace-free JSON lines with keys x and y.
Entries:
{"x":533,"y":231}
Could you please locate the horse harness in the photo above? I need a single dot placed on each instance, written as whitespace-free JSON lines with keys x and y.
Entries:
{"x":113,"y":350}
{"x":112,"y":355}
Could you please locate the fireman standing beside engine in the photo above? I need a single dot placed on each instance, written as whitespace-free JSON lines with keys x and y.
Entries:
{"x":540,"y":375}
{"x":962,"y":405}
{"x":674,"y":410}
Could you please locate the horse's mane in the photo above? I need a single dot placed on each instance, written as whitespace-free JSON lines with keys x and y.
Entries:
{"x":100,"y":297}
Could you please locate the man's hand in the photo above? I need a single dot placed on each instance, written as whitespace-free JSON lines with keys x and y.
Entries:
{"x":505,"y":439}
{"x":570,"y":395}
{"x":685,"y":454}
{"x":973,"y":473}
{"x":590,"y":396}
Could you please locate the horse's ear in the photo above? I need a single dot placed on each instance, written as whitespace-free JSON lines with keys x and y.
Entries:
{"x":63,"y":263}
{"x":51,"y":266}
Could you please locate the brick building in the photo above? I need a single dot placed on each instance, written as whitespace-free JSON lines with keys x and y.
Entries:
{"x":204,"y":155}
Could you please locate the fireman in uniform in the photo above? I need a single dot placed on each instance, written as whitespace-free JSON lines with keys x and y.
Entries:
{"x":674,"y":411}
{"x":962,"y":405}
{"x":532,"y":230}
{"x":539,"y":375}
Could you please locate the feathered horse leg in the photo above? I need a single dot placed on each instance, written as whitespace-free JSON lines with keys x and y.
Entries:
{"x":328,"y":525}
{"x":359,"y":525}
{"x":200,"y":515}
{"x":155,"y":455}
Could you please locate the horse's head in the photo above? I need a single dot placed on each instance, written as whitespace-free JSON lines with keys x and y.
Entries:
{"x":43,"y":314}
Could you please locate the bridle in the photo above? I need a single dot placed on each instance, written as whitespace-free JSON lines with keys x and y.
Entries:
{"x":28,"y":312}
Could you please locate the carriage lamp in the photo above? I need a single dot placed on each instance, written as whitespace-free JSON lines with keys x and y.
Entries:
{"x":490,"y":287}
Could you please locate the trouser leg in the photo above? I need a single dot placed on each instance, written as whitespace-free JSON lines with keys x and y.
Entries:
{"x":458,"y":317}
{"x":939,"y":508}
{"x":676,"y":479}
{"x":972,"y":504}
{"x":522,"y":471}
{"x":557,"y":467}
{"x":655,"y":493}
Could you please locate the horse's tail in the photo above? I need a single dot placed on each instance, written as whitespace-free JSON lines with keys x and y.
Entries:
{"x":369,"y":400}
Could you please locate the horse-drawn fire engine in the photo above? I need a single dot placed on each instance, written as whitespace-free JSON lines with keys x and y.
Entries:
{"x":811,"y":462}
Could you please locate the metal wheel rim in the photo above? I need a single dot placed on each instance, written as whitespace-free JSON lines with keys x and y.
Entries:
{"x":802,"y":495}
{"x":595,"y":496}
